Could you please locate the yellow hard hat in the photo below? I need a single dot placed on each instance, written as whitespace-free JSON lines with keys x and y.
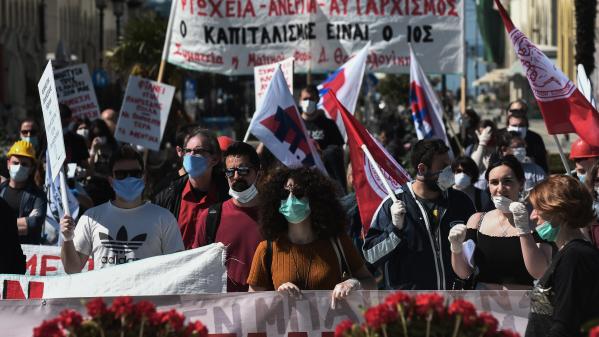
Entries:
{"x":22,"y":148}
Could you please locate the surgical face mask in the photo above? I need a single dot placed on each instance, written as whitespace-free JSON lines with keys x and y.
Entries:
{"x":244,"y":196}
{"x":83,"y":132}
{"x":520,"y":129}
{"x":129,"y":188}
{"x":519,"y":153}
{"x":547,"y":232}
{"x":446,"y":178}
{"x":19,"y":173}
{"x":308,"y":106}
{"x":295,"y":210}
{"x":462,"y":180}
{"x":502,"y":203}
{"x":581,"y":177}
{"x":32,"y":139}
{"x":195,"y":166}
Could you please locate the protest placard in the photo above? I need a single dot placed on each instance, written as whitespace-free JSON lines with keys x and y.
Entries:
{"x":232,"y":37}
{"x":45,"y":261}
{"x":75,"y":90}
{"x":144,"y":112}
{"x":52,"y":123}
{"x":263,"y":75}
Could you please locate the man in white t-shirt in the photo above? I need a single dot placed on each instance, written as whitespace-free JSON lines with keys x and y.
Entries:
{"x":123,"y":230}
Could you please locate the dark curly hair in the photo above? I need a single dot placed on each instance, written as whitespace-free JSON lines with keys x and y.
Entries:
{"x":327,"y":216}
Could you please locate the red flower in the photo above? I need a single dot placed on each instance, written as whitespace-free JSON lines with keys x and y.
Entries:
{"x":379,"y":315}
{"x":507,"y":333}
{"x":343,"y":327}
{"x":144,"y":309}
{"x":464,"y":309}
{"x":398,"y":298}
{"x":490,"y":322}
{"x":196,"y":329}
{"x":122,"y":306}
{"x":429,"y":302}
{"x":49,"y":329}
{"x":96,"y":308}
{"x":70,"y":319}
{"x":594,"y":332}
{"x":173,"y":318}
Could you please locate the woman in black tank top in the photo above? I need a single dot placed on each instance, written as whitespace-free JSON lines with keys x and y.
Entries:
{"x":507,"y":255}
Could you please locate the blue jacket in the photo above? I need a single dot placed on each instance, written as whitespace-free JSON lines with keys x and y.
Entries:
{"x":33,"y":208}
{"x":416,"y":257}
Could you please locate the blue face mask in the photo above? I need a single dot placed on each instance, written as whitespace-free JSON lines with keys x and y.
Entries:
{"x":295,"y":210}
{"x":547,"y":232}
{"x":581,"y":177}
{"x":33,"y":140}
{"x":129,"y":188}
{"x":195,"y":166}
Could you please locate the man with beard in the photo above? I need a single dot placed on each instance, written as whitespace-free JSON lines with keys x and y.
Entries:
{"x":409,"y":237}
{"x":235,"y":221}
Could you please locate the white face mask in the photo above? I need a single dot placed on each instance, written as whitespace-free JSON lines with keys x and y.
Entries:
{"x":308,"y":106}
{"x":83,"y":132}
{"x":462,"y":180}
{"x":19,"y":173}
{"x":446,"y":179}
{"x":244,"y":196}
{"x":502,"y":203}
{"x":520,"y":129}
{"x":519,"y":153}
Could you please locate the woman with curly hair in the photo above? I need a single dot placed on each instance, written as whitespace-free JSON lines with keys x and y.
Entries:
{"x":305,"y":245}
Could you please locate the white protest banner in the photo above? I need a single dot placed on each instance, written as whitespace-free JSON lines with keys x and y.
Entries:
{"x":144,"y":112}
{"x":52,"y":124}
{"x":263,"y":75}
{"x":232,"y":37}
{"x":264,"y":314}
{"x":75,"y":90}
{"x":200,"y":270}
{"x":45,"y":261}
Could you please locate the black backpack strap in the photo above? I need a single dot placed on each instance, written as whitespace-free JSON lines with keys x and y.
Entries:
{"x":344,"y":266}
{"x":268,"y":259}
{"x":212,"y":221}
{"x":477,"y":199}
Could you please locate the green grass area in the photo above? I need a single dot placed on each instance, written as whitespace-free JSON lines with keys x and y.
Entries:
{"x":555,"y":164}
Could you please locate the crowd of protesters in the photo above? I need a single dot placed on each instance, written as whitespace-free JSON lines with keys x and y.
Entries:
{"x":490,"y":218}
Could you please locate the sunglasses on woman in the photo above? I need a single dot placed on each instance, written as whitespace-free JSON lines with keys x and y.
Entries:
{"x":122,"y":174}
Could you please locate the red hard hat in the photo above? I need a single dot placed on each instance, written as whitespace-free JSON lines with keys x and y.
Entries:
{"x":224,"y":142}
{"x":580,"y":149}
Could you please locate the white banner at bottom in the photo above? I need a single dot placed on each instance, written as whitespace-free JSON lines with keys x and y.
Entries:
{"x":267,"y":314}
{"x":196,"y":271}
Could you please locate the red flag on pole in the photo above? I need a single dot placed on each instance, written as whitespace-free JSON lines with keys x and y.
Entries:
{"x":563,"y":107}
{"x":370,"y":190}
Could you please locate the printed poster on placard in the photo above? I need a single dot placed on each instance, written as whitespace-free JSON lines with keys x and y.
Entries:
{"x":52,"y":123}
{"x":263,"y":75}
{"x":233,"y":37}
{"x":75,"y":90}
{"x":144,"y":112}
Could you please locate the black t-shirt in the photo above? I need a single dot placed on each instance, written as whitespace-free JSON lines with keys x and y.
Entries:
{"x":75,"y":148}
{"x":12,"y":260}
{"x":324,"y":131}
{"x":567,"y":296}
{"x":13,"y":198}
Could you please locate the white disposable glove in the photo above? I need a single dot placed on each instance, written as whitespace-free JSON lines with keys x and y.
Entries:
{"x":290,"y":289}
{"x":520,"y":217}
{"x":67,"y":228}
{"x":457,"y":235}
{"x":484,"y":137}
{"x":343,"y":289}
{"x":398,"y":213}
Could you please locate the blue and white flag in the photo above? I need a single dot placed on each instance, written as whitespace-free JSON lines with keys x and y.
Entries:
{"x":55,"y":211}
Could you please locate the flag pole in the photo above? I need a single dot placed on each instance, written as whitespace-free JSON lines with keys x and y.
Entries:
{"x":379,"y":173}
{"x":561,"y":155}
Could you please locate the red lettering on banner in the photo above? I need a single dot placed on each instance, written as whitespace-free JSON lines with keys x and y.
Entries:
{"x":222,"y":335}
{"x":36,"y":290}
{"x":416,"y":9}
{"x":334,"y":7}
{"x":90,"y":264}
{"x":201,"y":8}
{"x":327,"y":334}
{"x":257,"y":334}
{"x":441,"y":7}
{"x":452,"y":8}
{"x":45,"y":268}
{"x":384,"y":4}
{"x":371,"y":7}
{"x":196,"y":57}
{"x":396,"y":8}
{"x":301,"y":56}
{"x":358,"y":7}
{"x":297,"y":334}
{"x":32,"y":265}
{"x":13,"y":290}
{"x":429,"y":7}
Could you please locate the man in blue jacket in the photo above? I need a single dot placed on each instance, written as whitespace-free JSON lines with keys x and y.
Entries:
{"x":408,"y":238}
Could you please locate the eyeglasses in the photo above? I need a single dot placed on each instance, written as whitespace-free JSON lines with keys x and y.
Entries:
{"x":241,"y":170}
{"x":517,"y":111}
{"x":122,"y":174}
{"x":198,"y":151}
{"x":297,"y":191}
{"x":28,"y":132}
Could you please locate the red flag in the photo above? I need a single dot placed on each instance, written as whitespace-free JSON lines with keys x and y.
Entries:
{"x":564,"y":108}
{"x":370,"y":191}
